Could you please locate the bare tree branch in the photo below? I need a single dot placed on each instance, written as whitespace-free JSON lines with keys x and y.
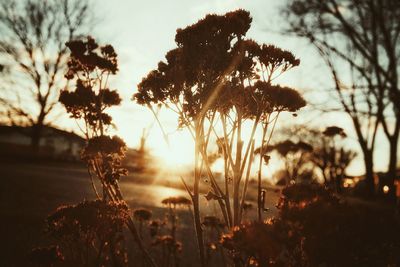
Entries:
{"x":32,"y":47}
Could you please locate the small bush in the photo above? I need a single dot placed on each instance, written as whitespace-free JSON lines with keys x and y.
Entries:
{"x":314,"y":228}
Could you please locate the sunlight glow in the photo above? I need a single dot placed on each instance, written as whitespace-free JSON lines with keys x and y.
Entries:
{"x":162,"y":192}
{"x":179,"y":154}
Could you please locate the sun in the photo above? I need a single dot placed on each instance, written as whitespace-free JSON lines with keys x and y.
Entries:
{"x":178,"y":154}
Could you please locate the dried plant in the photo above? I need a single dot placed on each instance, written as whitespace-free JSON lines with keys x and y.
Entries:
{"x":91,"y":232}
{"x":215,"y":80}
{"x":314,"y":227}
{"x":168,"y":243}
{"x":89,"y":67}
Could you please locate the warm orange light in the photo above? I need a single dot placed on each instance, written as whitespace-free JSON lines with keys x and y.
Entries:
{"x":385,"y":189}
{"x":348,"y":183}
{"x":179,"y":154}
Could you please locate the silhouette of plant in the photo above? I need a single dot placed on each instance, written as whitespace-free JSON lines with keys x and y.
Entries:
{"x":260,"y":244}
{"x":154,"y":227}
{"x":142,"y":215}
{"x":334,"y":130}
{"x":338,"y":233}
{"x":328,"y":159}
{"x":170,"y":249}
{"x":213,"y":229}
{"x":296,"y":157}
{"x":170,"y":246}
{"x":332,"y":158}
{"x":315,"y":228}
{"x":90,"y":232}
{"x":89,"y":67}
{"x":215,"y":80}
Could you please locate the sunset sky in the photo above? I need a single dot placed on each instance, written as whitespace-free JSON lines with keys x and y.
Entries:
{"x":143,"y":31}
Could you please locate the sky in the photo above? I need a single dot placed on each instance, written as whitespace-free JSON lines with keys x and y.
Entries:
{"x":143,"y":31}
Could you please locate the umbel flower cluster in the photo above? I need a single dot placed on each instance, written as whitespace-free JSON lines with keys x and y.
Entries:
{"x":87,"y":65}
{"x":90,"y":65}
{"x":216,"y":79}
{"x":89,"y":68}
{"x":216,"y":67}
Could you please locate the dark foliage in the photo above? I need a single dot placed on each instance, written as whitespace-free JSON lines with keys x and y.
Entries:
{"x":296,"y":157}
{"x":97,"y":218}
{"x":46,"y":256}
{"x":142,"y":214}
{"x":286,"y":147}
{"x":105,"y":145}
{"x":90,"y":232}
{"x":89,"y":63}
{"x":168,"y":242}
{"x":314,"y":228}
{"x":259,"y":244}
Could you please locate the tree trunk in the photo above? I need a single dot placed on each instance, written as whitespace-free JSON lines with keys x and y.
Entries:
{"x":339,"y":180}
{"x":392,"y":170}
{"x":369,"y":173}
{"x":37,"y":131}
{"x":36,"y":135}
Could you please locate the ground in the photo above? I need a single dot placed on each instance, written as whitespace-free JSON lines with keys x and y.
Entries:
{"x":30,"y":191}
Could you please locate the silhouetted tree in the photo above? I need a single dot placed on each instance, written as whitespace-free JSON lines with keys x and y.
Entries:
{"x":359,"y":40}
{"x":331,"y":157}
{"x":329,"y":153}
{"x":296,"y":158}
{"x":34,"y":56}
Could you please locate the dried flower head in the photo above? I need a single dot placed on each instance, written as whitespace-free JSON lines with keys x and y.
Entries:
{"x":90,"y":97}
{"x":257,"y":240}
{"x":97,"y":217}
{"x":176,"y":201}
{"x":142,"y":214}
{"x":206,"y":72}
{"x":154,"y":227}
{"x":86,"y":56}
{"x":333,"y":131}
{"x":105,"y":145}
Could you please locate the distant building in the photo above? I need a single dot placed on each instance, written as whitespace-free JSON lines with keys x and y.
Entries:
{"x":55,"y":143}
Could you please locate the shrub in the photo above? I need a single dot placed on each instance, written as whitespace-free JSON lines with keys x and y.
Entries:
{"x":314,"y":228}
